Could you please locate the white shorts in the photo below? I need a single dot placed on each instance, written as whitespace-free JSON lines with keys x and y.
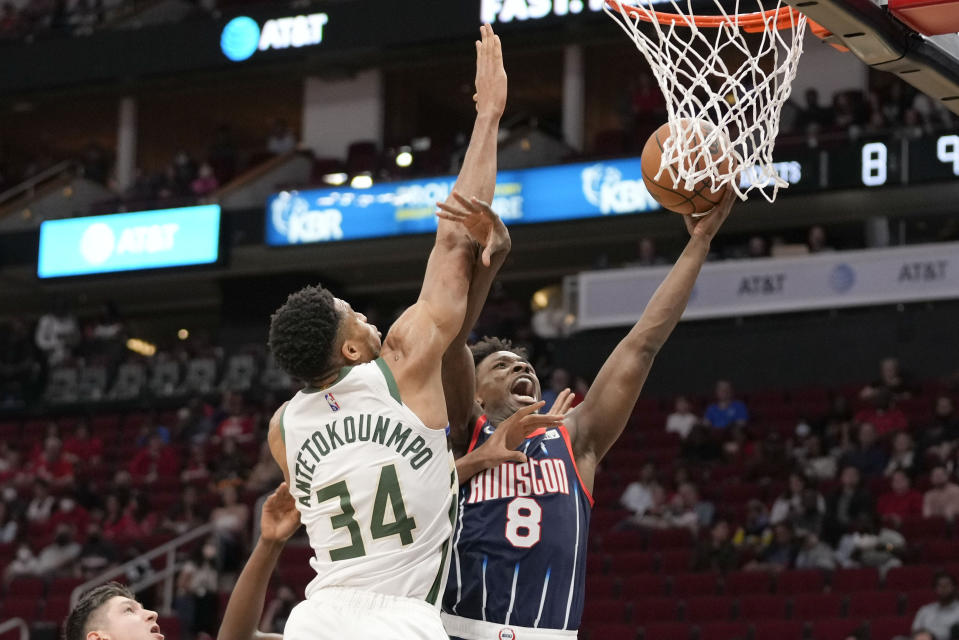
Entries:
{"x":469,"y":629}
{"x":350,"y":614}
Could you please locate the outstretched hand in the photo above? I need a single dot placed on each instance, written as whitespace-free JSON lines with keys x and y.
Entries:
{"x":501,"y":446}
{"x":563,"y":402}
{"x":706,"y":226}
{"x":480,"y":221}
{"x":490,"y":96}
{"x":280,"y":518}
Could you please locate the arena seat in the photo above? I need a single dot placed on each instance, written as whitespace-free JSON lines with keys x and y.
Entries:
{"x":835,"y":628}
{"x":605,"y":610}
{"x":667,"y":631}
{"x":846,"y":580}
{"x":724,"y":631}
{"x":27,"y":587}
{"x":813,"y":606}
{"x":910,"y":578}
{"x":804,"y":581}
{"x":655,"y":609}
{"x":779,"y":630}
{"x":630,"y":564}
{"x":889,"y":627}
{"x":746,"y":582}
{"x":675,"y":561}
{"x":863,"y":604}
{"x":694,"y":584}
{"x":644,"y":585}
{"x":708,"y":608}
{"x":762,"y":607}
{"x":613,"y":632}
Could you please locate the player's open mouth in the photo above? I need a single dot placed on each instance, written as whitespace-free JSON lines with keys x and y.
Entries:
{"x":155,"y":630}
{"x":523,"y":389}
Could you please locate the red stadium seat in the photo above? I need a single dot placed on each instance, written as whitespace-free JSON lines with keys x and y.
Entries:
{"x":724,"y":631}
{"x":917,"y":598}
{"x":747,"y":582}
{"x":708,"y":608}
{"x":813,"y":606}
{"x":667,"y":631}
{"x":835,"y":628}
{"x":671,"y":562}
{"x":752,"y":608}
{"x":663,"y":539}
{"x":804,"y":581}
{"x":26,"y":587}
{"x":643,"y":586}
{"x":64,"y":586}
{"x":604,"y":610}
{"x":910,"y":578}
{"x":889,"y":627}
{"x":619,"y":541}
{"x":630,"y":564}
{"x":598,"y":586}
{"x":863,"y":604}
{"x":56,"y":609}
{"x":918,"y":529}
{"x":612,"y":632}
{"x":939,"y":551}
{"x":19,"y":607}
{"x":778,"y":630}
{"x":846,"y":580}
{"x":694,"y":584}
{"x":655,"y":610}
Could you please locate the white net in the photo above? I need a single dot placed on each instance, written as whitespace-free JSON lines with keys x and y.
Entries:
{"x":734,"y":80}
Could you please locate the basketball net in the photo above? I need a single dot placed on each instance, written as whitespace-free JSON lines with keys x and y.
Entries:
{"x":710,"y":69}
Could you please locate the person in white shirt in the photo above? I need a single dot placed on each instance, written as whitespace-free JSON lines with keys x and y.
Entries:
{"x":682,"y":420}
{"x":638,"y":496}
{"x":942,"y":616}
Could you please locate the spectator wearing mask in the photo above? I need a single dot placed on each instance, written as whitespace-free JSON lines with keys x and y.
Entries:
{"x":940,"y":617}
{"x":726,"y":411}
{"x":901,"y":501}
{"x":790,"y":504}
{"x":903,"y":456}
{"x":939,"y":437}
{"x":55,"y":557}
{"x":197,"y":588}
{"x":942,"y":500}
{"x":41,"y":505}
{"x":868,"y":545}
{"x":846,"y":505}
{"x":97,"y":553}
{"x":885,"y":417}
{"x":816,"y":464}
{"x":717,"y":553}
{"x":815,"y":554}
{"x":868,"y":456}
{"x":682,"y":420}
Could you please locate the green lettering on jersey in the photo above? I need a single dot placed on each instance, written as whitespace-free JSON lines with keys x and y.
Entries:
{"x":399,"y":435}
{"x":389,"y":489}
{"x":344,"y":519}
{"x":365,"y":426}
{"x":379,"y":432}
{"x":320,"y":443}
{"x":349,"y":428}
{"x":335,"y":439}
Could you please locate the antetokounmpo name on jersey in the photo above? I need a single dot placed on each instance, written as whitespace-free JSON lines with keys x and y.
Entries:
{"x":362,"y":428}
{"x":509,"y":480}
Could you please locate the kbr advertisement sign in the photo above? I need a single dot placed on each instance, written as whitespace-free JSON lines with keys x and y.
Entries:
{"x":129,"y":242}
{"x":548,"y":194}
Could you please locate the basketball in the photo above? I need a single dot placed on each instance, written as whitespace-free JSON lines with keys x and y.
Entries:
{"x":700,"y":198}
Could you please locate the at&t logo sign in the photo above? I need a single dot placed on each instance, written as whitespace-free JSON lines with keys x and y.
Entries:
{"x":242,"y":36}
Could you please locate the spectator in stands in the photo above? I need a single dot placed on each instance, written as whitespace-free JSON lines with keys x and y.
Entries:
{"x":97,"y":553}
{"x":903,"y":457}
{"x":197,"y":587}
{"x":52,"y":466}
{"x":789,"y":505}
{"x":868,"y":454}
{"x":646,"y":255}
{"x":726,"y":411}
{"x":942,"y":500}
{"x":815,"y":554}
{"x":40,"y":508}
{"x":231,"y":523}
{"x":184,"y":172}
{"x":757,"y":247}
{"x":21,"y":366}
{"x":701,"y":445}
{"x":57,"y":332}
{"x":684,"y":510}
{"x":639,"y":494}
{"x":153,"y":427}
{"x":844,"y":115}
{"x":157,"y":460}
{"x":814,"y":115}
{"x":8,"y":523}
{"x":817,"y":465}
{"x":883,"y":415}
{"x":717,"y":553}
{"x":682,"y":420}
{"x":780,"y":553}
{"x":921,"y":634}
{"x":231,"y":464}
{"x":11,"y":471}
{"x":868,"y":545}
{"x":282,"y":139}
{"x":770,"y":460}
{"x":70,"y":514}
{"x":205,"y":182}
{"x":901,"y":501}
{"x":844,"y":507}
{"x":278,"y":610}
{"x":24,"y":563}
{"x":939,"y":438}
{"x":55,"y":557}
{"x":892,"y":379}
{"x":816,"y":240}
{"x":196,"y":471}
{"x":186,"y":514}
{"x":112,"y":517}
{"x":941,"y":617}
{"x":266,"y":473}
{"x":559,"y":380}
{"x":232,"y":419}
{"x":811,"y":517}
{"x":83,"y":449}
{"x":755,"y":532}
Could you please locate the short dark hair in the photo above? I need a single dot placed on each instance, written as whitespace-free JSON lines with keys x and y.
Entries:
{"x":303,"y":332}
{"x":76,"y":625}
{"x":940,"y":575}
{"x":488,"y":346}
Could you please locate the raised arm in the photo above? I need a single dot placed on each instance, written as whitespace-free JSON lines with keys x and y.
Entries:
{"x":599,"y":420}
{"x":425,"y":331}
{"x":279,"y":521}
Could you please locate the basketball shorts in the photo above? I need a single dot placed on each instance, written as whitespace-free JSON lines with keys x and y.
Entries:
{"x":338,"y":613}
{"x":467,"y":629}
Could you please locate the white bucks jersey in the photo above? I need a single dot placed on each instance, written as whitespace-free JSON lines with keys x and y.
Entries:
{"x":375,"y":487}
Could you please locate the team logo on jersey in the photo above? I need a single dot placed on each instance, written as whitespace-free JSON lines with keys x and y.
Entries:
{"x":507,"y":634}
{"x":488,"y":430}
{"x":334,"y":405}
{"x":552,"y":434}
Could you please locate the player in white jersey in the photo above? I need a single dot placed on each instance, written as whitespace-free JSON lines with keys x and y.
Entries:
{"x":363,"y":445}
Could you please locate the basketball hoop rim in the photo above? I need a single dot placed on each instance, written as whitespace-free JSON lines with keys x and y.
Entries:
{"x":783,"y":17}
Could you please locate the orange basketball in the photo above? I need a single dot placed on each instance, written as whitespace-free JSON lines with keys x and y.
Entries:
{"x":699,"y":199}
